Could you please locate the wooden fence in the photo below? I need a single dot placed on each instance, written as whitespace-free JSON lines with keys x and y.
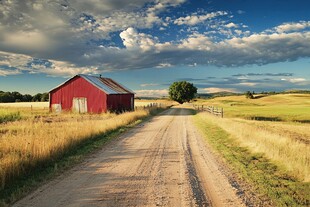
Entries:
{"x":211,"y":109}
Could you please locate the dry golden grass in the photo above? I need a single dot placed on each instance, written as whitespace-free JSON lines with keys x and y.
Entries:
{"x":162,"y":102}
{"x":26,"y":143}
{"x":275,"y":140}
{"x":26,"y":105}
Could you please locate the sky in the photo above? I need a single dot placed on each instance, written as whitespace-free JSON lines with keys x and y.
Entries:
{"x":218,"y":45}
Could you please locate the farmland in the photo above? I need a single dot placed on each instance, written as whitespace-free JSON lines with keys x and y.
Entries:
{"x":275,"y":128}
{"x":263,"y":141}
{"x":32,"y":138}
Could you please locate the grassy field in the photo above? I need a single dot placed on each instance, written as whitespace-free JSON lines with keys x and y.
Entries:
{"x":38,"y":139}
{"x":282,"y":107}
{"x":29,"y":105}
{"x":267,"y":141}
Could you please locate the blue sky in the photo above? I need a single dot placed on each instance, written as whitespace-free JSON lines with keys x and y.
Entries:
{"x":219,"y":45}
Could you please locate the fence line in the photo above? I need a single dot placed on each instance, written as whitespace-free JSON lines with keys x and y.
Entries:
{"x":211,"y":109}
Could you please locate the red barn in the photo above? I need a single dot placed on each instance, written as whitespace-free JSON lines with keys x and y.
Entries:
{"x":84,"y":93}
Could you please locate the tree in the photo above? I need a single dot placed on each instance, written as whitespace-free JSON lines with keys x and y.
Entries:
{"x":44,"y":97}
{"x":37,"y":97}
{"x":249,"y":95}
{"x":27,"y":98}
{"x":182,"y":91}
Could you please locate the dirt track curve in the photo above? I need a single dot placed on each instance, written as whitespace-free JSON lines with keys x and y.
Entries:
{"x":162,"y":162}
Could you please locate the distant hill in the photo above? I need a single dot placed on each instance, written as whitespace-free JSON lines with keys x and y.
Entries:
{"x":224,"y":94}
{"x":218,"y":94}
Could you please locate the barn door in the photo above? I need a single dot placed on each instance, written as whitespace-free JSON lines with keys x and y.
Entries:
{"x":80,"y":105}
{"x":56,"y":108}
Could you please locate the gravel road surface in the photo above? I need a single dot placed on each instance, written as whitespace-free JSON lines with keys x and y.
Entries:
{"x":161,"y":162}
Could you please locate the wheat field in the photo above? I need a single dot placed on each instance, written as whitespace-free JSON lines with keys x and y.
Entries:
{"x":34,"y":140}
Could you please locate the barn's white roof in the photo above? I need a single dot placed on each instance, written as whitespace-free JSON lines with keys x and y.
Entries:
{"x":107,"y":85}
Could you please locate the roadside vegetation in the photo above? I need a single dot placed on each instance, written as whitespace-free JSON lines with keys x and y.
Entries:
{"x":8,"y":115}
{"x":42,"y":144}
{"x":266,"y":141}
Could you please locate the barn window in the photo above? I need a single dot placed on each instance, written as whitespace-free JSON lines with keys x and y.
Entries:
{"x":79,"y":105}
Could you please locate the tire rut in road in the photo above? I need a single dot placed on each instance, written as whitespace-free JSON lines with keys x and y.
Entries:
{"x":197,"y":189}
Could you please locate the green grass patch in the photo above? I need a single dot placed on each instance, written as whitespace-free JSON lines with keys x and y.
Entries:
{"x":265,"y":177}
{"x":8,"y":116}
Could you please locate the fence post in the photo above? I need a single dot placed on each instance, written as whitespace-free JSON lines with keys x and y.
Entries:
{"x":222,"y":112}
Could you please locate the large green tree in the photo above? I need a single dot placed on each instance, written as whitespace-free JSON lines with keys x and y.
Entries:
{"x":182,"y":91}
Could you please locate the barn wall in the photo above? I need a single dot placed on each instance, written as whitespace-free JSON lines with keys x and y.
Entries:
{"x":120,"y":102}
{"x":79,"y":87}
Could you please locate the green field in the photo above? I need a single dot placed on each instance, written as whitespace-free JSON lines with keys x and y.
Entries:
{"x":282,"y":107}
{"x":266,"y":141}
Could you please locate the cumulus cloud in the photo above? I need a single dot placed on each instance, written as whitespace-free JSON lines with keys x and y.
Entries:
{"x":231,"y":25}
{"x":217,"y":90}
{"x":12,"y":64}
{"x":151,"y":93}
{"x":196,"y":19}
{"x":104,"y":35}
{"x":292,"y":26}
{"x":134,"y":40}
{"x":9,"y":72}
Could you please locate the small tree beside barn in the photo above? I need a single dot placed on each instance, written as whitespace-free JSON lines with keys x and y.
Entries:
{"x":92,"y":94}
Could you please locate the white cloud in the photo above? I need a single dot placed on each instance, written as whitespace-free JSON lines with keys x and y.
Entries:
{"x":148,"y":84}
{"x":231,"y":25}
{"x":196,"y":42}
{"x":134,"y":40}
{"x":247,"y":84}
{"x":151,"y":93}
{"x":19,"y":63}
{"x":294,"y":80}
{"x":196,"y":19}
{"x":9,"y":72}
{"x":68,"y":34}
{"x":163,"y":65}
{"x":217,"y":90}
{"x":293,"y":26}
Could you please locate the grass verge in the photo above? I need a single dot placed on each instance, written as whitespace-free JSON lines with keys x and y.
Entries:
{"x":265,"y":177}
{"x":7,"y":116}
{"x":43,"y":171}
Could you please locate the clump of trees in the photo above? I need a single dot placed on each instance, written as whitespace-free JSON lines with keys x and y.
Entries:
{"x":249,"y":95}
{"x":9,"y":97}
{"x":182,"y":91}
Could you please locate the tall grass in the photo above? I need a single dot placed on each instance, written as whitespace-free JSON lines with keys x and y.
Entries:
{"x":271,"y":184}
{"x":34,"y":143}
{"x":8,"y":115}
{"x":292,"y":154}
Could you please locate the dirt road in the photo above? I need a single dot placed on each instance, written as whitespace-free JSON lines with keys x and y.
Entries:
{"x":163,"y":162}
